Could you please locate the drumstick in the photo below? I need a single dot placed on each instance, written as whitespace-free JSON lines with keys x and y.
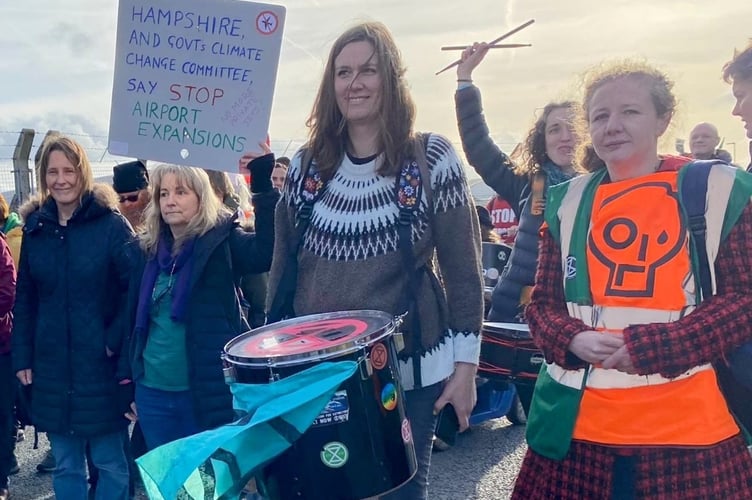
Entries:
{"x":493,"y":42}
{"x":497,"y":46}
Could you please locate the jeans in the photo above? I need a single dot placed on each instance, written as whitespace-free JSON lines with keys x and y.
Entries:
{"x":165,"y":415}
{"x":7,"y":436}
{"x":419,"y":406}
{"x":69,"y":478}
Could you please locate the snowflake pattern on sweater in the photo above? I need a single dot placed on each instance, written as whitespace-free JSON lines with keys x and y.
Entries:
{"x":350,"y":258}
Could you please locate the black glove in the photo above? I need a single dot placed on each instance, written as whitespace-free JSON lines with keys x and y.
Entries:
{"x":261,"y":173}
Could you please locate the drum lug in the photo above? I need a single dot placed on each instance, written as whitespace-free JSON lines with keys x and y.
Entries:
{"x":399,"y":341}
{"x":229,"y":373}
{"x":366,"y":370}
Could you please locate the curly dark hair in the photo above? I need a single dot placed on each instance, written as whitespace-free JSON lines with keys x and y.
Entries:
{"x":533,"y":154}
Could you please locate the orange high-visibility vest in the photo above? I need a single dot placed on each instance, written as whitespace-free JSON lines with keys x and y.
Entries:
{"x":640,"y":272}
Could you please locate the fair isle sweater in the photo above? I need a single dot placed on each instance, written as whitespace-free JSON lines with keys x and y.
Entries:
{"x":350,"y":260}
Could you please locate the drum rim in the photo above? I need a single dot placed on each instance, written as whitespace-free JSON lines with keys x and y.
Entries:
{"x":516,"y":327}
{"x":315,"y":355}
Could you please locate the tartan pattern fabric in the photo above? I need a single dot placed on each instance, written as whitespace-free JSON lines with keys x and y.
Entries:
{"x":722,"y":471}
{"x":718,"y":325}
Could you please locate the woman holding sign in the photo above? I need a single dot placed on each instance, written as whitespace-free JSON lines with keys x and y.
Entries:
{"x":628,"y":405}
{"x":361,"y":142}
{"x":185,"y":301}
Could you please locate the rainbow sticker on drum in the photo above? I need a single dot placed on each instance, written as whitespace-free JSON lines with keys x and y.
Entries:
{"x":389,"y":397}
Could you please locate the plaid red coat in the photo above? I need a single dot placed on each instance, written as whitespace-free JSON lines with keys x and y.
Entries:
{"x":716,"y":327}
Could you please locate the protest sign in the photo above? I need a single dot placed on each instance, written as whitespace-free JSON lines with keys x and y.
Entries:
{"x":194,"y":80}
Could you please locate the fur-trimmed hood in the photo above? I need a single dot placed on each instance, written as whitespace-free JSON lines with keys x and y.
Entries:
{"x":102,"y":198}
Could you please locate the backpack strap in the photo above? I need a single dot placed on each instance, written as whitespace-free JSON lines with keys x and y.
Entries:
{"x":413,"y":182}
{"x":693,"y":192}
{"x":693,"y":195}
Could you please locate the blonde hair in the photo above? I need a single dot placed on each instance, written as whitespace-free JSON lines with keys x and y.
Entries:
{"x":659,"y":85}
{"x":210,"y":209}
{"x":74,"y":153}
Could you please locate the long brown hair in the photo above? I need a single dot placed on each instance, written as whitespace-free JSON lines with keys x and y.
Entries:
{"x":327,"y":137}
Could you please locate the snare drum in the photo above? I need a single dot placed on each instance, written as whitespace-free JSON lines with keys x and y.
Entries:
{"x":360,"y":445}
{"x":507,"y":351}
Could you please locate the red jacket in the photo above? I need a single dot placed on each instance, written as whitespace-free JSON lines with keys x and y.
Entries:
{"x":7,"y":295}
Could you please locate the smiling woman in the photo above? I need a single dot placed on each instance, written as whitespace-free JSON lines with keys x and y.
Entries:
{"x":623,"y":329}
{"x":69,"y":317}
{"x":365,"y":168}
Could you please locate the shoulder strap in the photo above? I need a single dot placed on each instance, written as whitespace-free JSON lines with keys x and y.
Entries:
{"x":413,"y":182}
{"x":693,"y":195}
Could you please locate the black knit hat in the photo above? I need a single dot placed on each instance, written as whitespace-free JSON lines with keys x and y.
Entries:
{"x":130,"y":177}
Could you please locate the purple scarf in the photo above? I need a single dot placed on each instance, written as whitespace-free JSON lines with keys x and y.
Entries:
{"x":181,"y":266}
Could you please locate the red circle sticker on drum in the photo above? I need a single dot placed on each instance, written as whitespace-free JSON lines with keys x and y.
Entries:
{"x":407,"y":434}
{"x":379,"y":356}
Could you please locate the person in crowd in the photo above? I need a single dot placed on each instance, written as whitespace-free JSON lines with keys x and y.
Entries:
{"x":183,"y":301}
{"x":8,"y":382}
{"x":278,"y":175}
{"x":361,"y":135}
{"x":703,"y":143}
{"x":68,"y":334}
{"x":652,"y":422}
{"x":738,"y":72}
{"x":504,"y":218}
{"x":546,"y":161}
{"x":11,"y":228}
{"x":487,"y":233}
{"x":131,"y":183}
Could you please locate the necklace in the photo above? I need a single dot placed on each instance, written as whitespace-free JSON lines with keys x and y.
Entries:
{"x":157,"y":296}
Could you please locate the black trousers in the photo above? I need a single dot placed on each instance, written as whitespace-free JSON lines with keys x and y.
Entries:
{"x":8,"y":384}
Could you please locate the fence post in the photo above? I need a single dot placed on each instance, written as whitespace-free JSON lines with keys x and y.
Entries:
{"x":21,"y":172}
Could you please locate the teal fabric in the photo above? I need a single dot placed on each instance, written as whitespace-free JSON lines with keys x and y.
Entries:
{"x":165,"y":355}
{"x":216,"y":464}
{"x":13,"y":220}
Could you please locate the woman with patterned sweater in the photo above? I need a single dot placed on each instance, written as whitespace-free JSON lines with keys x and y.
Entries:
{"x":616,"y":311}
{"x":361,"y":136}
{"x":546,"y":161}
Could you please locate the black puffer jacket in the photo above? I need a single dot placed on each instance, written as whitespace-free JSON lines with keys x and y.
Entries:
{"x":221,"y":257}
{"x":72,"y":284}
{"x":497,"y":171}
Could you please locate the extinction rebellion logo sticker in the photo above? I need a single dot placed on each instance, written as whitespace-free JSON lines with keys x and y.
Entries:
{"x":571,"y":267}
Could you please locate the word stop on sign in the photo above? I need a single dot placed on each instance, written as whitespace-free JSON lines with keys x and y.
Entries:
{"x":192,"y":93}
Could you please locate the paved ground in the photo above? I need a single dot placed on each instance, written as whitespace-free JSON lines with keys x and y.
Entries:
{"x":481,"y":466}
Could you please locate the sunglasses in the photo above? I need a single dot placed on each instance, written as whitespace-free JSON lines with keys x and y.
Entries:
{"x":131,"y":198}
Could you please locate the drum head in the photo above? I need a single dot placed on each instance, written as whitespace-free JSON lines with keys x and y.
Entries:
{"x":309,"y":338}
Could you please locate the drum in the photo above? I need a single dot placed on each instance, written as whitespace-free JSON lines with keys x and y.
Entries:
{"x":507,"y":351}
{"x":360,"y":445}
{"x":494,"y":258}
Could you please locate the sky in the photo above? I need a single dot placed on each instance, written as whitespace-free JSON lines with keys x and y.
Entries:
{"x":57,"y":61}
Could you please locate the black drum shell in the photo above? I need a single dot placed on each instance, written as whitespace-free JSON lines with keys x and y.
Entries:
{"x":379,"y":460}
{"x":508,"y":352}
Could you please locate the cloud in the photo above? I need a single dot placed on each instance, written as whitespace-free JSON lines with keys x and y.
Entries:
{"x":61,"y":57}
